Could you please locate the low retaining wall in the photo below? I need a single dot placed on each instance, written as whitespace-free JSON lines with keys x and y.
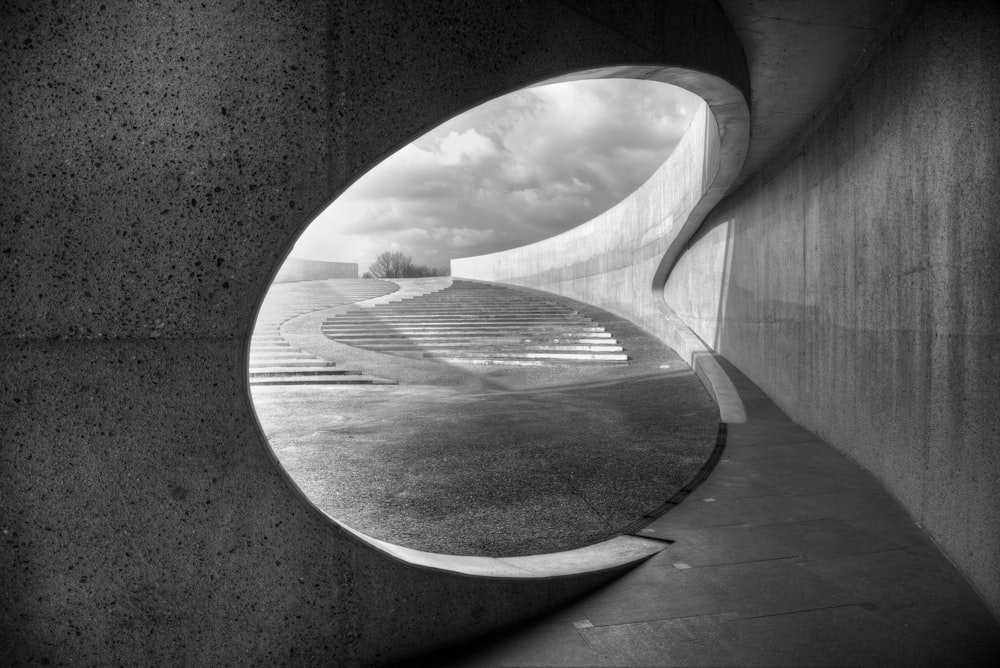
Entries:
{"x":296,"y":269}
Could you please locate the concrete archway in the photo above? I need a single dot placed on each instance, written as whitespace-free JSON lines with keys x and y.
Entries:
{"x":147,"y":521}
{"x":158,"y":163}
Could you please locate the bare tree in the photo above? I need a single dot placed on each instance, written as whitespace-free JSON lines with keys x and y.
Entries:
{"x":391,"y":264}
{"x":395,"y":264}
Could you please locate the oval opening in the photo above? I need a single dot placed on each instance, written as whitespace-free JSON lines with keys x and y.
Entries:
{"x":461,"y":417}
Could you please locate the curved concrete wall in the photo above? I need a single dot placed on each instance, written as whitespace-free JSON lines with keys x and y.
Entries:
{"x":619,"y":260}
{"x":857,"y":281}
{"x":613,"y":258}
{"x":159,"y":163}
{"x":296,"y":269}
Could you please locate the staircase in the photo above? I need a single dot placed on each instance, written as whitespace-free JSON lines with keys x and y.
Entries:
{"x":479,"y":323}
{"x":273,"y":361}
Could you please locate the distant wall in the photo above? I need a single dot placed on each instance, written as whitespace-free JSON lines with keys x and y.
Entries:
{"x":857,"y":280}
{"x":297,"y":269}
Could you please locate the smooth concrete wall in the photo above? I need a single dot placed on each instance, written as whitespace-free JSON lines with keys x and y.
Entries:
{"x":158,"y":161}
{"x":297,"y":269}
{"x":619,"y":259}
{"x":856,"y":280}
{"x":610,"y":261}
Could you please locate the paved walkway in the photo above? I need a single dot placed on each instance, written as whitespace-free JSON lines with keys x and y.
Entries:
{"x":788,"y":555}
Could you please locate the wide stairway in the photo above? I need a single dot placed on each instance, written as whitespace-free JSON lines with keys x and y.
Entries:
{"x":273,"y":361}
{"x":479,"y":323}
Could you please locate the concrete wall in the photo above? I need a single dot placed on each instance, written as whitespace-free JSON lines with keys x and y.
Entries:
{"x":619,"y":260}
{"x":156,"y":163}
{"x":856,"y":281}
{"x":296,"y":269}
{"x":854,"y":278}
{"x":610,"y":261}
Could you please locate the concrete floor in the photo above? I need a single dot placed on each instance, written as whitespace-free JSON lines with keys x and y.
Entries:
{"x":788,"y":555}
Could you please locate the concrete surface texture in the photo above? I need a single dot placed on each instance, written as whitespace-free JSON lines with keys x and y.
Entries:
{"x":159,"y":161}
{"x":157,"y":164}
{"x":854,"y":277}
{"x":299,"y":269}
{"x":788,"y":555}
{"x":857,"y":281}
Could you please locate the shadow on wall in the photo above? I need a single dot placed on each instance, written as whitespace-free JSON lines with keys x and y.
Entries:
{"x":701,"y":296}
{"x":856,"y":282}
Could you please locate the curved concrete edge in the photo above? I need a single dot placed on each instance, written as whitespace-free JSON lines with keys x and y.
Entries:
{"x":408,"y":289}
{"x":728,"y":129}
{"x":610,"y":555}
{"x":630,"y":282}
{"x":727,"y":138}
{"x":305,"y":331}
{"x":702,"y":360}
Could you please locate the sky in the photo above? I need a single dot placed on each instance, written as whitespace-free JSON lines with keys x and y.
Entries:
{"x":514,"y":170}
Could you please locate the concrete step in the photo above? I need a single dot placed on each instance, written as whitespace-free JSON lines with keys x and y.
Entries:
{"x":471,"y":323}
{"x":609,"y":357}
{"x":514,"y":329}
{"x":426,"y":308}
{"x":322,"y":380}
{"x":527,"y":362}
{"x":487,"y":348}
{"x":264,"y":362}
{"x":286,"y":353}
{"x":574,"y":338}
{"x":256,"y":372}
{"x":269,"y":347}
{"x":577,"y":326}
{"x":445,"y":317}
{"x":474,"y":338}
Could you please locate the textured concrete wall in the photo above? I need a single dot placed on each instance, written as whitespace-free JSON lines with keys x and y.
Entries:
{"x":296,"y":269}
{"x":156,"y":162}
{"x":857,"y":280}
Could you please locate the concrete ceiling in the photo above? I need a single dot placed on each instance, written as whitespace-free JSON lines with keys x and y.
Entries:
{"x":799,"y":53}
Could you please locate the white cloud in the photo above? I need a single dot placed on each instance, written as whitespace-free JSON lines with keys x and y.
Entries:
{"x":514,"y":170}
{"x":467,"y":148}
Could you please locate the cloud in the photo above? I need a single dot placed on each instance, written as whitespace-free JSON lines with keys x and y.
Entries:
{"x":468,"y":148}
{"x":514,"y":170}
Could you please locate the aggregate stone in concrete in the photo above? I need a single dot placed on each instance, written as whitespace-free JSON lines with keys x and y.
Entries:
{"x":158,"y":162}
